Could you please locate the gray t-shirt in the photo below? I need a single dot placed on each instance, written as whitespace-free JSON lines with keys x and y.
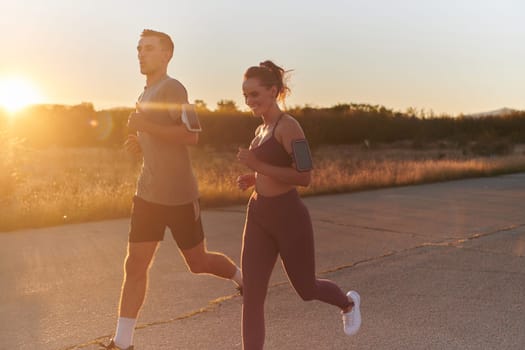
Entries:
{"x":167,"y":175}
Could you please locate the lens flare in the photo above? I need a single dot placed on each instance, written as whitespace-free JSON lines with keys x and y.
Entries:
{"x":17,"y":93}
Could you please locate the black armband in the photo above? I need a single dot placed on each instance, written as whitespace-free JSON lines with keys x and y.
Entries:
{"x":301,"y":155}
{"x":190,"y":118}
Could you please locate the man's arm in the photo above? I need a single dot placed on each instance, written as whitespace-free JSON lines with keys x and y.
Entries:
{"x":175,"y":134}
{"x":174,"y":95}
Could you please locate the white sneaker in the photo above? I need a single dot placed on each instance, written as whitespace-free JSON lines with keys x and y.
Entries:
{"x":352,"y":319}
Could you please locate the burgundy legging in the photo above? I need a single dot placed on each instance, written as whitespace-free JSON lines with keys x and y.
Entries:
{"x":279,"y":225}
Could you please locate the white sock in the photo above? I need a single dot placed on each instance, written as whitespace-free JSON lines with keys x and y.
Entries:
{"x":124,"y":334}
{"x":237,"y":278}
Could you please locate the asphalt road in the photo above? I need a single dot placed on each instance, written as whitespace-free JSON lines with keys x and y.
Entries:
{"x":438,"y":266}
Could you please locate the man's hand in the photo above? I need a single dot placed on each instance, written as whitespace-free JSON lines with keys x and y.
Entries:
{"x":132,"y":145}
{"x":136,"y":122}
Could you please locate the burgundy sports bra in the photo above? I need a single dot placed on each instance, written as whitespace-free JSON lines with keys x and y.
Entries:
{"x":272,"y":151}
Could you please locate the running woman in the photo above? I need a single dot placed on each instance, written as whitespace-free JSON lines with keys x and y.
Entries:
{"x":277,"y":221}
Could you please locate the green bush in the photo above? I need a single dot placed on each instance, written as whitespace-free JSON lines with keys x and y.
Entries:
{"x":82,"y":126}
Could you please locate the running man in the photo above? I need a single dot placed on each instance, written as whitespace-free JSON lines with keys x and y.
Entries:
{"x":167,"y":194}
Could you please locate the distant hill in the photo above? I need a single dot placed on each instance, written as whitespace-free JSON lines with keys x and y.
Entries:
{"x":497,"y":113}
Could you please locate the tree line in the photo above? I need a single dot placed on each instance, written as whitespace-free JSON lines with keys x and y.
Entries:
{"x":81,"y":125}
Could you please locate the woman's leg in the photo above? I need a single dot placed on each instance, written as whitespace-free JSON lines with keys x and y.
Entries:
{"x":296,"y":245}
{"x":259,"y":254}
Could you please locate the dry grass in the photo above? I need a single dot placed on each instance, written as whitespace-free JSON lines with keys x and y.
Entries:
{"x":350,"y":169}
{"x":55,"y":186}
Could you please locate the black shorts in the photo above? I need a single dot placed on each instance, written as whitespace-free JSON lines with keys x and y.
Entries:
{"x":149,"y":221}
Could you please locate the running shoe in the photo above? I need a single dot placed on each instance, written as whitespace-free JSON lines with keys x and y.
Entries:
{"x":352,"y":318}
{"x":112,"y":346}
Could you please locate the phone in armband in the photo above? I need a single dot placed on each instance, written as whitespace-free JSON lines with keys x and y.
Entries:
{"x":190,"y":118}
{"x":301,"y":155}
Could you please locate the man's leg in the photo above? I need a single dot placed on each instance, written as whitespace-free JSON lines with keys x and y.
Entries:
{"x":134,"y":286}
{"x":200,"y":260}
{"x":186,"y":228}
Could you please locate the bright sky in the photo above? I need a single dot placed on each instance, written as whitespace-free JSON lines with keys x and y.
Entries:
{"x":449,"y":56}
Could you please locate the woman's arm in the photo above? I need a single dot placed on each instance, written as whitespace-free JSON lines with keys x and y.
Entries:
{"x":287,"y":131}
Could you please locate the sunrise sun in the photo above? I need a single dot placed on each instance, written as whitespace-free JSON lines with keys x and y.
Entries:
{"x":17,"y":93}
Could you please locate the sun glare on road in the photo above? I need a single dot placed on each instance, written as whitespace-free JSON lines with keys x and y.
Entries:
{"x":17,"y":93}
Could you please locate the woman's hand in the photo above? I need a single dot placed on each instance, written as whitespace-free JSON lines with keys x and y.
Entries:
{"x":246,"y":181}
{"x":247,"y":157}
